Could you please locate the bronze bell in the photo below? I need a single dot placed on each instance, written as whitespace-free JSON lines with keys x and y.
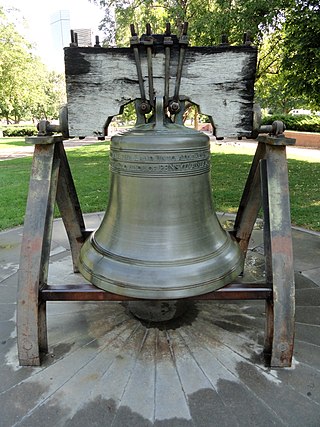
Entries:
{"x":160,"y":237}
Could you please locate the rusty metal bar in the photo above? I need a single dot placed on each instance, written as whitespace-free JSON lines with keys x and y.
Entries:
{"x":134,"y":42}
{"x":34,"y":258}
{"x":269,"y":331}
{"x":183,"y":44}
{"x":148,"y":41}
{"x":88,"y":292}
{"x":167,"y":43}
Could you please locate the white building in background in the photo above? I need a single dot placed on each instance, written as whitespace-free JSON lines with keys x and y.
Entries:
{"x":60,"y":29}
{"x":61,"y":36}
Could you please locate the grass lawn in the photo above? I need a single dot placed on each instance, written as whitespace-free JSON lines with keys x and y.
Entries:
{"x":8,"y":142}
{"x":89,"y":166}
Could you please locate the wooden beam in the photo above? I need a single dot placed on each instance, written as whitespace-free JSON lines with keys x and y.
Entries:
{"x":278,"y":254}
{"x":34,"y":258}
{"x":218,"y":79}
{"x":88,"y":292}
{"x":69,"y":207}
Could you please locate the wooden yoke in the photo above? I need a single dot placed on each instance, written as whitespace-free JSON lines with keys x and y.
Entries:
{"x":220,"y":80}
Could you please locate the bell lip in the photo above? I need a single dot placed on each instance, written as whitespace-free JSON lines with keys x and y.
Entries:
{"x":159,"y":263}
{"x":160,"y":293}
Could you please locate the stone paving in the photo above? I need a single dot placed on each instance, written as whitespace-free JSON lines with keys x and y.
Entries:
{"x":106,"y":368}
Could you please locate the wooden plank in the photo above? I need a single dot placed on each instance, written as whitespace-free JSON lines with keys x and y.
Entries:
{"x":34,"y":258}
{"x":250,"y":202}
{"x":219,"y":79}
{"x":279,"y":253}
{"x":69,"y":207}
{"x":88,"y":292}
{"x":269,"y":331}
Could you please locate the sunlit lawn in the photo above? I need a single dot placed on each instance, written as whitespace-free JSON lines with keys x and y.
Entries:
{"x":8,"y":142}
{"x":89,"y":166}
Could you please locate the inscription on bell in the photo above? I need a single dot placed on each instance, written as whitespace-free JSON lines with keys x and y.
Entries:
{"x":159,"y":157}
{"x":187,"y":163}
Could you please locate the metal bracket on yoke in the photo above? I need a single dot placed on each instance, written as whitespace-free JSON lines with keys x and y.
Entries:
{"x":147,"y":40}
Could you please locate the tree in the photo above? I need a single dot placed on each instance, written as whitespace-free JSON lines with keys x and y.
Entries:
{"x":208,"y":20}
{"x":25,"y":83}
{"x":271,"y":89}
{"x":52,"y":96}
{"x":286,"y":32}
{"x":301,"y":59}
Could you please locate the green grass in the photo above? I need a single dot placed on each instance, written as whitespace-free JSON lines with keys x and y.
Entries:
{"x":7,"y":142}
{"x":229,"y":174}
{"x":89,"y":166}
{"x":90,"y":172}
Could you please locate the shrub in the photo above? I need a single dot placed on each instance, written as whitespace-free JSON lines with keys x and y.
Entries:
{"x":15,"y":130}
{"x":302,"y":123}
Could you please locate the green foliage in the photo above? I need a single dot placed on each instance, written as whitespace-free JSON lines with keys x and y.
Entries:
{"x":129,"y":113}
{"x":52,"y":97}
{"x":301,"y":50}
{"x":287,"y":33}
{"x":27,"y":89}
{"x":207,"y":20}
{"x":302,"y":123}
{"x":17,"y":130}
{"x":271,"y":90}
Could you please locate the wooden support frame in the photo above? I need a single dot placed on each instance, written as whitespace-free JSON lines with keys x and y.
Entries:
{"x":51,"y":180}
{"x":267,"y":186}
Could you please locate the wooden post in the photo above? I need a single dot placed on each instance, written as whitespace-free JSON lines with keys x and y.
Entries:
{"x":267,"y":184}
{"x":69,"y":207}
{"x":250,"y":202}
{"x":278,"y":250}
{"x":35,"y":250}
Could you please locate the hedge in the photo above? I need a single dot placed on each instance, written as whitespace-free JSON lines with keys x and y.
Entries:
{"x":302,"y":123}
{"x":15,"y":130}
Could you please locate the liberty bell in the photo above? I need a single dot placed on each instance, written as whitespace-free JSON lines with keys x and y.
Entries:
{"x":160,"y":237}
